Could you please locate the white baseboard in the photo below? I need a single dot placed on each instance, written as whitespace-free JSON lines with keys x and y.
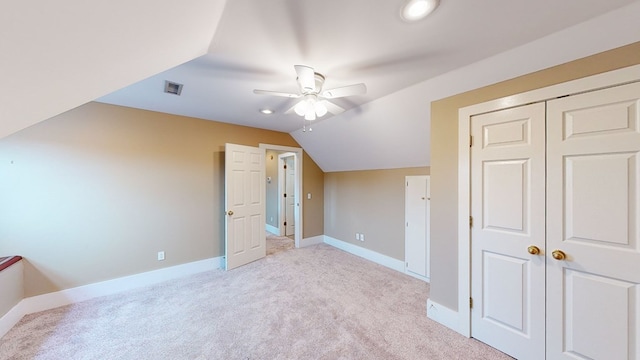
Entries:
{"x":417,"y":276}
{"x":312,"y":240}
{"x":443,"y":315}
{"x":272,"y":229}
{"x":64,"y":297}
{"x":10,"y":319}
{"x":370,"y":255}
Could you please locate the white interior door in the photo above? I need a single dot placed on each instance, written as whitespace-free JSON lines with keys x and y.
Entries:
{"x":593,"y":219}
{"x":245,"y":239}
{"x":290,"y":200}
{"x":417,"y":200}
{"x":507,"y":208}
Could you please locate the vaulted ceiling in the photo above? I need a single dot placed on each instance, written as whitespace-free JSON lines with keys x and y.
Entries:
{"x":60,"y":55}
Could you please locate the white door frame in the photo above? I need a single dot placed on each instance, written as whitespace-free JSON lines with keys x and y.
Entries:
{"x":282,"y":202}
{"x":594,"y":82}
{"x":297,"y":215}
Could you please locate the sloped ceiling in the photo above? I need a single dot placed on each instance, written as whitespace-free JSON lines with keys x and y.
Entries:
{"x":57,"y":55}
{"x":122,"y":52}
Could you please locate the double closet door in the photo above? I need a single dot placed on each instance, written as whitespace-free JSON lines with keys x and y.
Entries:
{"x":555,"y":252}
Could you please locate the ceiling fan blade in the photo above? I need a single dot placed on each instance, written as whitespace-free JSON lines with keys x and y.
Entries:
{"x":276,"y":93}
{"x":306,"y":78}
{"x":332,"y":108}
{"x":357,"y":89}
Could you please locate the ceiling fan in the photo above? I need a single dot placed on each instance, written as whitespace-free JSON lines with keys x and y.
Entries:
{"x":314,"y":103}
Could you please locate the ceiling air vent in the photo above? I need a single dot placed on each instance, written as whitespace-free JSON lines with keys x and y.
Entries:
{"x":172,"y":88}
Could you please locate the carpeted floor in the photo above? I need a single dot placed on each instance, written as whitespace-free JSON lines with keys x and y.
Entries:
{"x":311,"y":303}
{"x":276,"y":244}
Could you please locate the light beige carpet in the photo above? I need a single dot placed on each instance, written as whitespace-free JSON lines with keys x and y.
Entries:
{"x":311,"y":303}
{"x":276,"y":244}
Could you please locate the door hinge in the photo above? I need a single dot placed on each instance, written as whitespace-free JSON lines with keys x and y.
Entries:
{"x":470,"y":221}
{"x":470,"y":141}
{"x":285,"y":194}
{"x":470,"y":303}
{"x":285,"y":223}
{"x":285,"y":166}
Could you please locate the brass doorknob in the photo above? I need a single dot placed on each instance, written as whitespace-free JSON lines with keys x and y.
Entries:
{"x":533,"y":250}
{"x":559,"y":255}
{"x":230,"y":212}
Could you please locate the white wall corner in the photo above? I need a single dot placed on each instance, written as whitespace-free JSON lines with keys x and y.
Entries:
{"x":370,"y":255}
{"x":272,"y":229}
{"x":312,"y":240}
{"x":81,"y":293}
{"x":443,"y":315}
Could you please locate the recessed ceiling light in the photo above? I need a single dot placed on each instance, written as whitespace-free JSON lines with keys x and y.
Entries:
{"x":266,"y":111}
{"x":414,"y":10}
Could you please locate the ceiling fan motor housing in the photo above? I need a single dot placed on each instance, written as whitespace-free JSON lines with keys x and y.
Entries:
{"x":319,"y":82}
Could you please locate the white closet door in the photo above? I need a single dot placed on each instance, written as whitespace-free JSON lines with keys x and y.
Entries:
{"x":593,"y":186}
{"x":417,"y":200}
{"x":507,"y":206}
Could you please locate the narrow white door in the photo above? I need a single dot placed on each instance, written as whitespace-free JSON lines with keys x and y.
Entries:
{"x":593,"y":225}
{"x":507,"y":235}
{"x":245,"y":239}
{"x":291,"y":196}
{"x":417,"y":200}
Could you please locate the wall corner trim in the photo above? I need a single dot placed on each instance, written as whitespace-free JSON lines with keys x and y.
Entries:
{"x":443,"y":315}
{"x":109,"y":287}
{"x":312,"y":240}
{"x":370,"y":255}
{"x":272,"y":229}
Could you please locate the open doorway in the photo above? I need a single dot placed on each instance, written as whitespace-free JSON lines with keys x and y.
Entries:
{"x":286,"y":193}
{"x":279,"y":209}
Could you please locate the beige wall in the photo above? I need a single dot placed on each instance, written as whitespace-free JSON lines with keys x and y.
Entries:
{"x":313,"y":211}
{"x":94,"y":193}
{"x":368,"y":202}
{"x":444,"y":147}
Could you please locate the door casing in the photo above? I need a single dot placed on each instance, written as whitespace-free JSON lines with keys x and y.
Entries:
{"x":298,"y":187}
{"x":591,"y":83}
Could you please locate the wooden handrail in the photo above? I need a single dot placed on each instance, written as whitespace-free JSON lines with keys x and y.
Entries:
{"x":7,"y":261}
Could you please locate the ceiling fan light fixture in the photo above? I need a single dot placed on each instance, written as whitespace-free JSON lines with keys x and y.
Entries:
{"x":301,"y":108}
{"x":320,"y":109}
{"x":414,"y":10}
{"x":310,"y":115}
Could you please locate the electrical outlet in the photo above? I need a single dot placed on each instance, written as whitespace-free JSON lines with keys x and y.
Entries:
{"x":361,"y":237}
{"x":357,"y":236}
{"x":160,"y":255}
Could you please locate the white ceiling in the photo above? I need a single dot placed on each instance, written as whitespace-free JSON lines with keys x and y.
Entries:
{"x":257,"y":42}
{"x":57,"y":55}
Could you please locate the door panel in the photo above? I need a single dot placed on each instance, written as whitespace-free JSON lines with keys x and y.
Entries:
{"x":505,"y":277}
{"x":586,"y":296}
{"x":504,"y":194}
{"x":593,"y":148}
{"x":291,"y":196}
{"x":416,"y":218}
{"x":507,"y":204}
{"x":245,"y":239}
